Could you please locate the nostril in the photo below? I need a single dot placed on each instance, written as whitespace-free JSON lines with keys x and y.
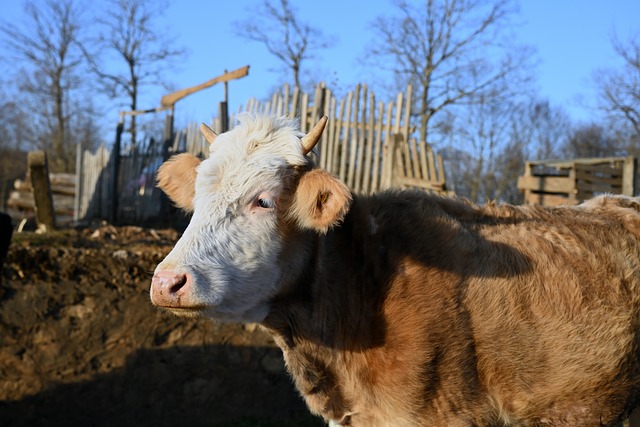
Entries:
{"x":170,"y":289}
{"x":168,"y":282}
{"x":180,"y":281}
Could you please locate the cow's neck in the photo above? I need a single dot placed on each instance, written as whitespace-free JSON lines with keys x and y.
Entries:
{"x":333,"y":309}
{"x":335,"y":297}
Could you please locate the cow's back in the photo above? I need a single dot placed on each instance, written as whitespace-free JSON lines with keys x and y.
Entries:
{"x":556,"y":339}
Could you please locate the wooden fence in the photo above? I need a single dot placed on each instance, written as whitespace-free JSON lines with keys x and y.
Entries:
{"x":93,"y":198}
{"x":554,"y":182}
{"x":137,"y":199}
{"x":366,"y":143}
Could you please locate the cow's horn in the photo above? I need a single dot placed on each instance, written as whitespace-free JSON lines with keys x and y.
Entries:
{"x":208,"y":133}
{"x":311,"y":139}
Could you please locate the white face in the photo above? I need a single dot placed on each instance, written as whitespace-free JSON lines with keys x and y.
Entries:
{"x":230,"y":251}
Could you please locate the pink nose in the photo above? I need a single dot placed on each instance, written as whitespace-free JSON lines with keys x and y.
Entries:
{"x":169,"y":289}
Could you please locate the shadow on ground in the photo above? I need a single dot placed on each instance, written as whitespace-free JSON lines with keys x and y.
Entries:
{"x":234,"y":386}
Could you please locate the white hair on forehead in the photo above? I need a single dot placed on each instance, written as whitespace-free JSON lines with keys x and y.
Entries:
{"x":252,"y":155}
{"x":278,"y":136}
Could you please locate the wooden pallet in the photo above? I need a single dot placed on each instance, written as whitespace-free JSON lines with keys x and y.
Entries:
{"x":561,"y":182}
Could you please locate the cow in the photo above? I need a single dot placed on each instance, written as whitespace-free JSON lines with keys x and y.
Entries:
{"x":405,"y":308}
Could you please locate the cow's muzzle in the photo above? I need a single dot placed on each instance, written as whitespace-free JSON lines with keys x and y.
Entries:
{"x":171,"y":290}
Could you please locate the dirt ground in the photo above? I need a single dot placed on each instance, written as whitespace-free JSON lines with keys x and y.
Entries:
{"x":81,"y":344}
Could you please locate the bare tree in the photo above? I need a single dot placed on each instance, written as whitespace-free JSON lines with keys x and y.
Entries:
{"x":592,"y":140}
{"x":620,"y":89}
{"x":484,"y":128}
{"x":280,"y":30}
{"x":496,"y":137}
{"x":15,"y":129}
{"x":537,"y":130}
{"x":47,"y":44}
{"x":129,"y":37}
{"x":442,"y":48}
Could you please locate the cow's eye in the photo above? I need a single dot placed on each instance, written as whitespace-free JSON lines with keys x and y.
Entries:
{"x":266,"y":203}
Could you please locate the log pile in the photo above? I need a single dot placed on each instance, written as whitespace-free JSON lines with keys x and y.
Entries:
{"x":63,"y":189}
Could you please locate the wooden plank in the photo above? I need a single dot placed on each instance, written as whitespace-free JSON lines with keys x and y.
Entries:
{"x":441,"y":175}
{"x":359,"y":164}
{"x":412,"y":143}
{"x":585,"y":176}
{"x":62,"y":179}
{"x":345,"y":140}
{"x":564,"y":164}
{"x":304,"y":113}
{"x":388,"y":151}
{"x":407,"y":113}
{"x":39,"y":173}
{"x":432,"y":164}
{"x":611,"y":168}
{"x":595,"y":187}
{"x":368,"y":161}
{"x":273,"y":105}
{"x":295,"y":103}
{"x":549,"y":199}
{"x":377,"y":156}
{"x":324,"y":139}
{"x":25,"y":200}
{"x":550,"y":184}
{"x":25,"y":186}
{"x":424,"y":169}
{"x":398,"y":118}
{"x":338,"y":138}
{"x":353,"y":139}
{"x":398,"y":166}
{"x":105,"y":179}
{"x":315,"y":112}
{"x":331,"y":147}
{"x":628,"y":180}
{"x":79,"y":171}
{"x":172,"y":98}
{"x":421,"y":183}
{"x":279,"y":105}
{"x":407,"y":168}
{"x":285,"y":105}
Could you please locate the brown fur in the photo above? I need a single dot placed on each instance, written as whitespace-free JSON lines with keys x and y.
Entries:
{"x":421,"y":310}
{"x":177,"y":177}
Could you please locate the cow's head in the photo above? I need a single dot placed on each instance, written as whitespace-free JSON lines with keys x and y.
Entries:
{"x":254,"y":201}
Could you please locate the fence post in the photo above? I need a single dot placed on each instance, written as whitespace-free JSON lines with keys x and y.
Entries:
{"x":39,"y":173}
{"x":629,"y":176}
{"x":165,"y":206}
{"x":223,"y":114}
{"x":79,"y":183}
{"x":115,"y":172}
{"x":389,"y":160}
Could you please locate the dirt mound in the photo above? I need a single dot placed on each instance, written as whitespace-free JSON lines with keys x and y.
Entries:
{"x":80,"y":343}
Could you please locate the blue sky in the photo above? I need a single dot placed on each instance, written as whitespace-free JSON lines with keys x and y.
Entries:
{"x":571,"y":39}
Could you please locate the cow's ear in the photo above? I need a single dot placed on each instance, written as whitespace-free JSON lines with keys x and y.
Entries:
{"x":320,"y":201}
{"x":177,"y":178}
